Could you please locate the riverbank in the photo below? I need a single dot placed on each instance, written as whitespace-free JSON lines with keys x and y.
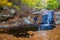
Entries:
{"x":37,"y":35}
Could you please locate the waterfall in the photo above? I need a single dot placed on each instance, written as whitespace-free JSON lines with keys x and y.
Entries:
{"x":47,"y":20}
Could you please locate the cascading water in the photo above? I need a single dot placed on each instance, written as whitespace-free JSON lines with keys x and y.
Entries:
{"x":47,"y":20}
{"x":47,"y":24}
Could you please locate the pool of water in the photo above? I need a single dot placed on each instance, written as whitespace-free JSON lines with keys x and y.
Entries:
{"x":46,"y":27}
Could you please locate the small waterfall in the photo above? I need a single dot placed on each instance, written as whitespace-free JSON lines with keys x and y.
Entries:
{"x":47,"y":24}
{"x":47,"y":21}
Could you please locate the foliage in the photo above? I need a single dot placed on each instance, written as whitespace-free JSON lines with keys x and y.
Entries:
{"x":5,"y":3}
{"x":52,"y":4}
{"x":58,"y":1}
{"x":33,"y":3}
{"x":15,"y":6}
{"x":9,"y":4}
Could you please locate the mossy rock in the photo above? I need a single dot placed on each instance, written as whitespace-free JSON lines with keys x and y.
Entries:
{"x":3,"y":19}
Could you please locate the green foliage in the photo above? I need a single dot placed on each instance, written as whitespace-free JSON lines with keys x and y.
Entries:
{"x":33,"y":3}
{"x":52,"y":4}
{"x":15,"y":6}
{"x":58,"y":1}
